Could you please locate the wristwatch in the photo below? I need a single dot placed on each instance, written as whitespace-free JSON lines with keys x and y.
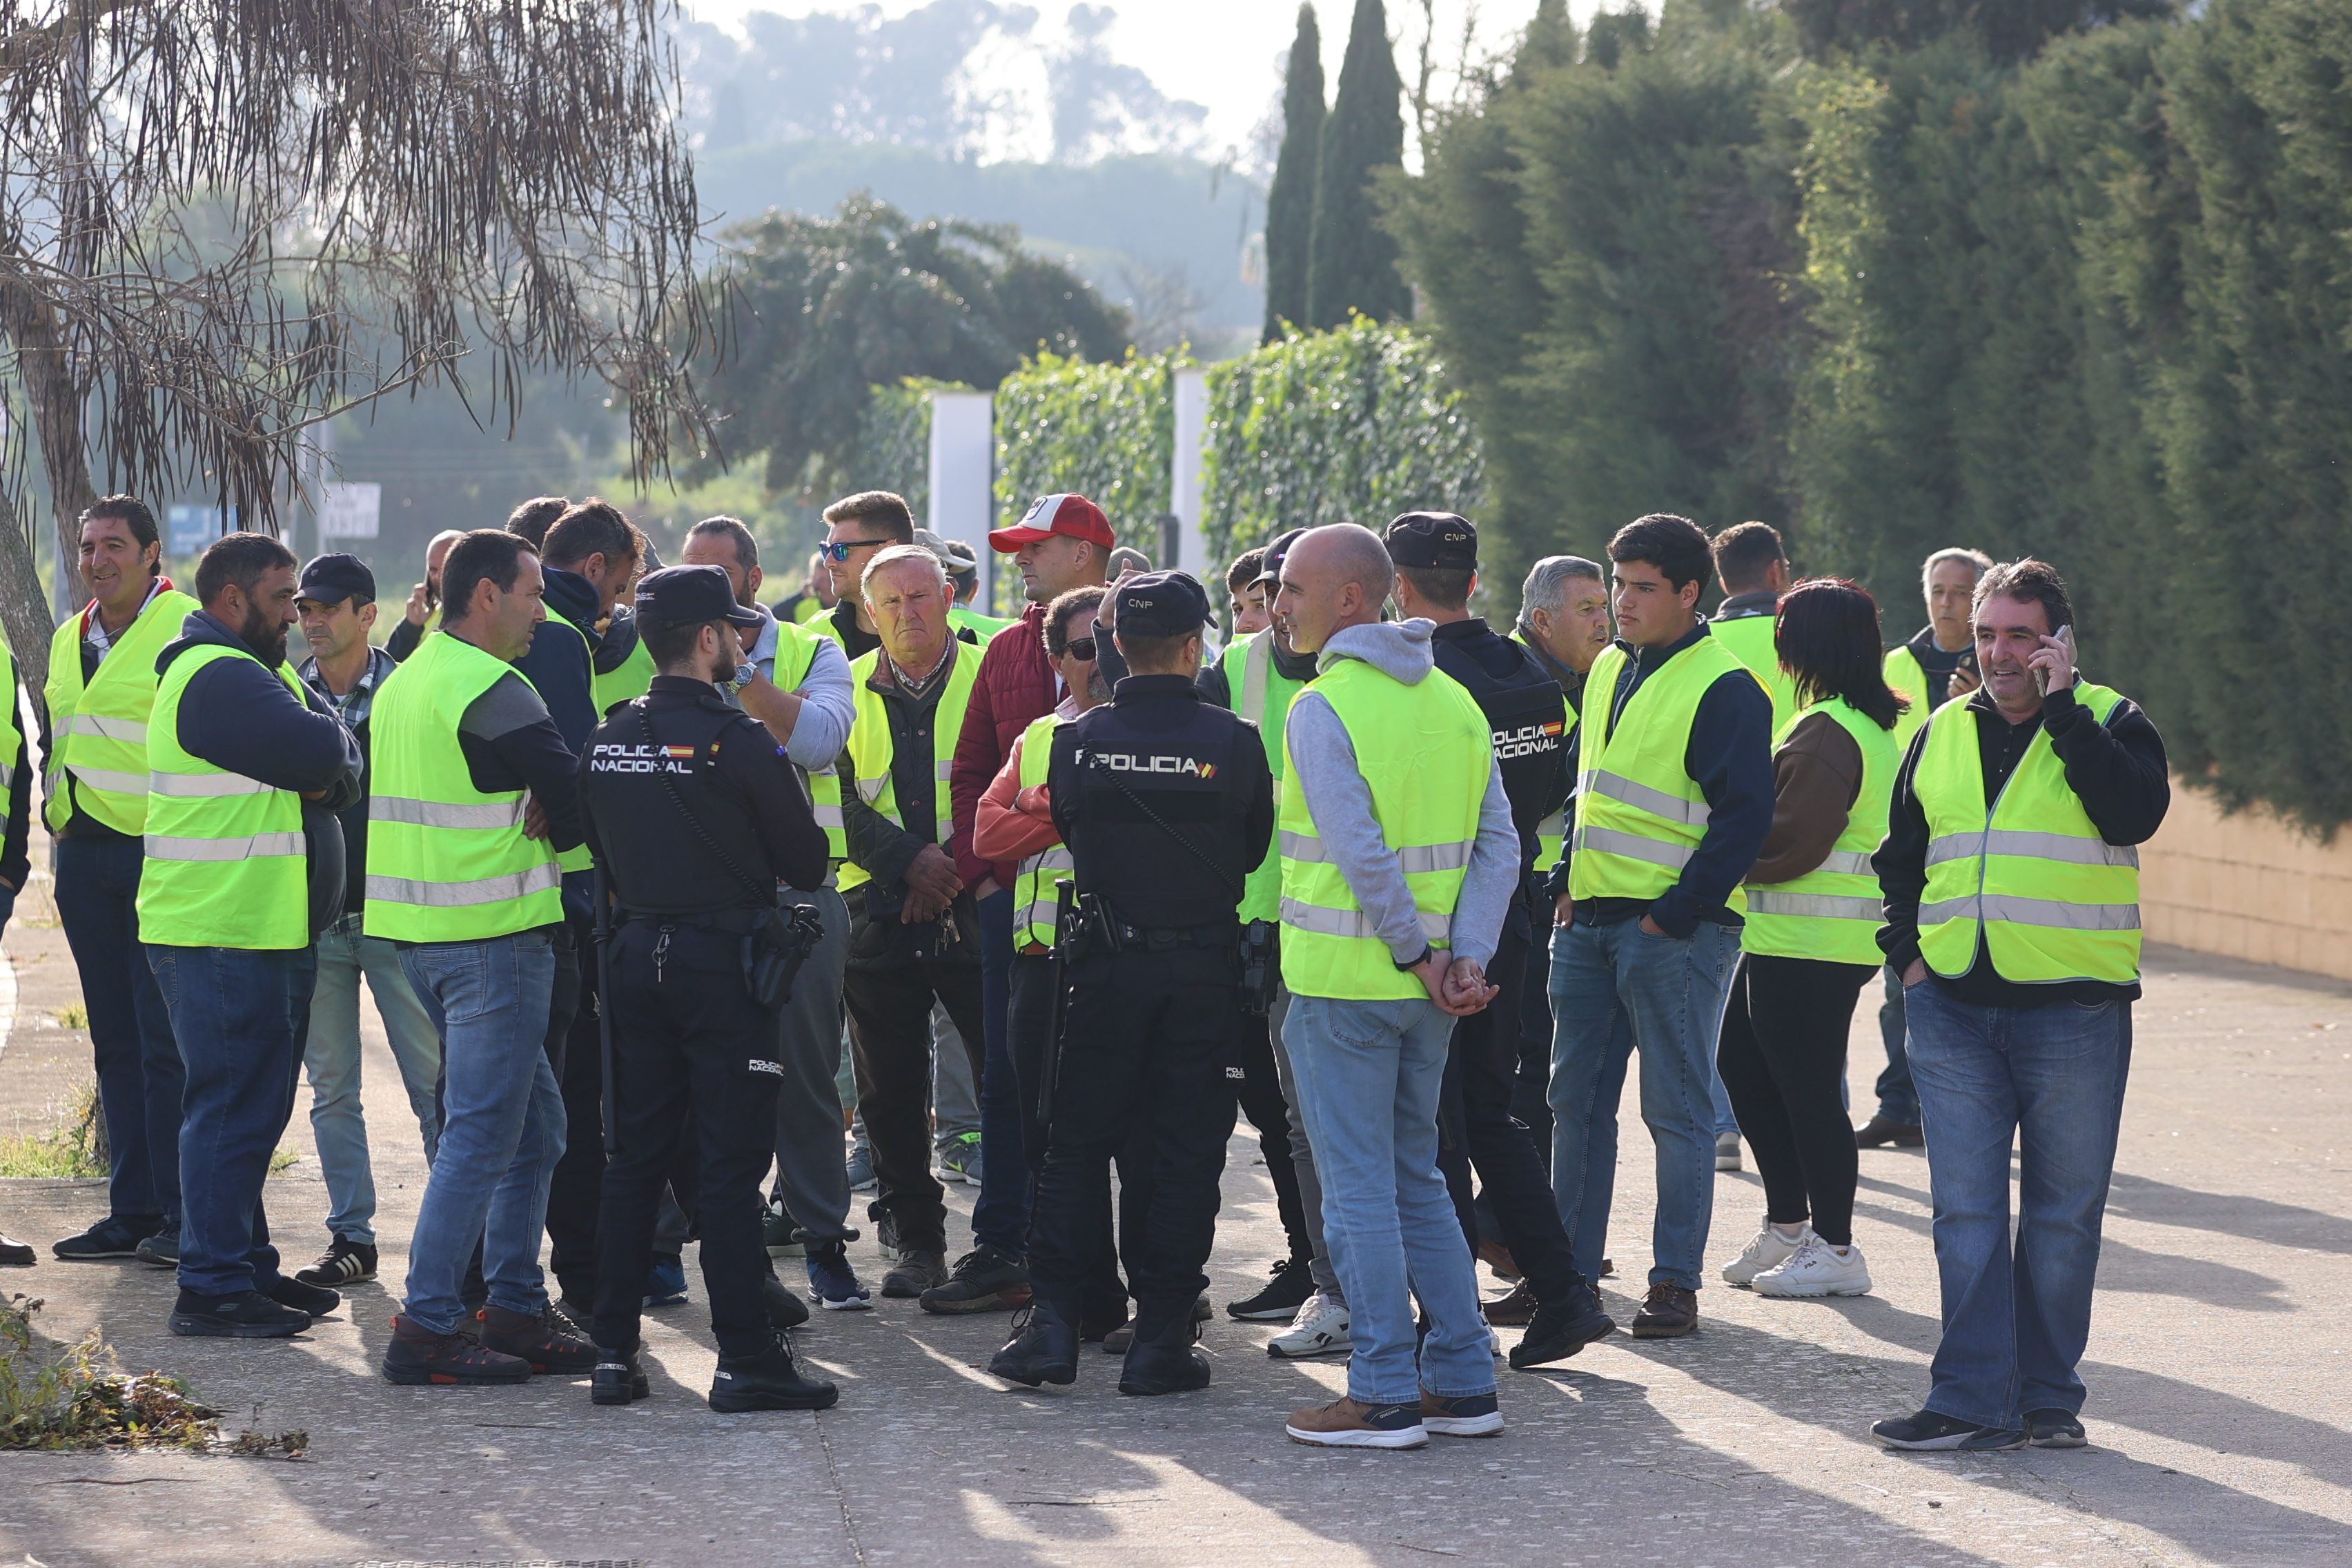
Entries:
{"x":1423,"y":956}
{"x":745,"y":673}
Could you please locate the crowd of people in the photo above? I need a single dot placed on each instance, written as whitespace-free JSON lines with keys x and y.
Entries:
{"x":689,"y":918}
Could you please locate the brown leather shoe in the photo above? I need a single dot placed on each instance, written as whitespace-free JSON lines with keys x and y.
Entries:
{"x":1497,"y":1257}
{"x":1669,"y":1312}
{"x":1514,"y":1311}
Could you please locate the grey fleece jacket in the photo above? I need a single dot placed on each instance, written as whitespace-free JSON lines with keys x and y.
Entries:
{"x":1341,"y":805}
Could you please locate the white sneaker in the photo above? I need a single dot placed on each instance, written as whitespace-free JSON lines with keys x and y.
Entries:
{"x":1816,"y":1269}
{"x":1320,"y":1328}
{"x":1769,"y":1250}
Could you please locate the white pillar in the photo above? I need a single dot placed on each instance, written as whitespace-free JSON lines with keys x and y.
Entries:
{"x":963,"y":473}
{"x":1184,"y":479}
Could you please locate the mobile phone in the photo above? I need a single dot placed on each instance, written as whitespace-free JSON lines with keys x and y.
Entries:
{"x":2041,"y":676}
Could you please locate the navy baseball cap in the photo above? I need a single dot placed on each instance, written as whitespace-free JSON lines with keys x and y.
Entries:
{"x":1161,"y":604}
{"x":1436,"y":540}
{"x":1270,"y":569}
{"x":682,"y":595}
{"x":331,"y":579}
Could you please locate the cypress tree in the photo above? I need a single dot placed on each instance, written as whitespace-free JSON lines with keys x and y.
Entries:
{"x":1290,"y":204}
{"x":1353,"y":262}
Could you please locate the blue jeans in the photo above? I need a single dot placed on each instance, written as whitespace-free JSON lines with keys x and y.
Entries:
{"x":2049,"y":1079}
{"x":1000,"y":1216}
{"x":1615,"y":989}
{"x":502,"y":1123}
{"x":140,"y":1078}
{"x":332,"y":1057}
{"x":1368,"y":1075}
{"x":1898,"y":1099}
{"x":238,"y":1015}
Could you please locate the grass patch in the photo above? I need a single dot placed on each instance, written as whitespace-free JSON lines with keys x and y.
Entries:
{"x":75,"y":1147}
{"x":282,"y":1159}
{"x":73,"y":1016}
{"x":56,"y":1397}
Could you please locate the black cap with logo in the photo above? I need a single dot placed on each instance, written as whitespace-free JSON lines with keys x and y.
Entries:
{"x":1160,"y":604}
{"x":682,"y":595}
{"x":1270,"y":569}
{"x":1435,"y":540}
{"x":331,"y":579}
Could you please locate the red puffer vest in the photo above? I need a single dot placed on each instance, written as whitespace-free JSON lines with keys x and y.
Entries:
{"x":1016,"y":686}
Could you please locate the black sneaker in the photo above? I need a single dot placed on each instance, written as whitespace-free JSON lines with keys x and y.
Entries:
{"x":417,"y":1356}
{"x":984,"y":1281}
{"x":160,"y":1250}
{"x":1879,"y":1132}
{"x":2054,"y":1429}
{"x":309,"y":1299}
{"x":344,"y":1262}
{"x":785,"y":1311}
{"x":1927,"y":1432}
{"x":617,"y":1379}
{"x":1165,"y":1361}
{"x":1043,"y":1348}
{"x":15,"y":1254}
{"x":113,"y":1236}
{"x":1293,"y":1282}
{"x":240,"y":1315}
{"x":1992,"y":1440}
{"x":770,"y":1381}
{"x":537,"y":1342}
{"x":1557,"y":1331}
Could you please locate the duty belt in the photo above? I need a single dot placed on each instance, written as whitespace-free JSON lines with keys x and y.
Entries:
{"x":734,"y":922}
{"x":1161,"y":939}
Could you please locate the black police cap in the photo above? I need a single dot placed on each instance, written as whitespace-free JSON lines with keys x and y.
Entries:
{"x":682,"y":595}
{"x":1270,"y":570}
{"x":1436,"y":540}
{"x":1161,"y":604}
{"x":331,"y":579}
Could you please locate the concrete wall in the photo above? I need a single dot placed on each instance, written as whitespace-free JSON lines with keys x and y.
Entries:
{"x":2248,"y":886}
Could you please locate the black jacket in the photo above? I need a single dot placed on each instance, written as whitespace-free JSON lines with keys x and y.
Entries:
{"x":2116,"y":768}
{"x":557,"y":665}
{"x":1216,"y":689}
{"x":1528,"y":713}
{"x":734,"y":778}
{"x":243,"y":719}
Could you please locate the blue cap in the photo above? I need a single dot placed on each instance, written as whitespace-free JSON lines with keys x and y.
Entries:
{"x":331,"y":579}
{"x":1160,"y":604}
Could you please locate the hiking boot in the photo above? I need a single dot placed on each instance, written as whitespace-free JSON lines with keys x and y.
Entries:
{"x":1513,"y":1310}
{"x":1767,"y":1249}
{"x":1162,"y":1358}
{"x":160,"y":1250}
{"x":1344,"y":1424}
{"x":1320,"y":1328}
{"x":918,"y":1269}
{"x":832,"y":1281}
{"x":768,"y":1381}
{"x":1669,"y":1312}
{"x":1879,"y":1132}
{"x":537,"y":1342}
{"x":1100,"y":1322}
{"x":1559,"y":1331}
{"x":2054,"y":1429}
{"x":785,"y":1311}
{"x":1464,"y":1415}
{"x":1293,"y":1282}
{"x":617,"y":1379}
{"x":239,"y":1315}
{"x":312,"y":1301}
{"x":985,"y":1280}
{"x":960,"y":1159}
{"x":113,"y":1236}
{"x":418,"y":1355}
{"x":344,"y":1262}
{"x":1043,"y":1347}
{"x":15,"y":1254}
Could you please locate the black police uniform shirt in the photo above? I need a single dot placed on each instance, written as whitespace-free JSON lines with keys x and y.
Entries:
{"x":1527,"y":714}
{"x":1157,"y":749}
{"x":733,"y":776}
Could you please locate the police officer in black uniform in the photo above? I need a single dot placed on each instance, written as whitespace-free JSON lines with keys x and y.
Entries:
{"x":695,"y":815}
{"x":1166,"y":803}
{"x":1436,"y":557}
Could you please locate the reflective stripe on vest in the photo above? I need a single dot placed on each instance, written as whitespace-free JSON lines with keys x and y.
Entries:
{"x":1833,"y":912}
{"x":797,"y":648}
{"x":226,"y":864}
{"x":446,"y":861}
{"x":1037,"y":904}
{"x":2051,"y":902}
{"x":97,"y":752}
{"x":1639,"y":816}
{"x":869,"y":745}
{"x":1426,"y":751}
{"x":1262,"y":694}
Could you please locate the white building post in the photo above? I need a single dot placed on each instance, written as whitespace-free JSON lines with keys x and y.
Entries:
{"x":1184,"y":479}
{"x":963,"y":473}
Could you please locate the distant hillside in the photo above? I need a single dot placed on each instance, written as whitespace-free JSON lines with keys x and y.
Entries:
{"x":1165,"y":213}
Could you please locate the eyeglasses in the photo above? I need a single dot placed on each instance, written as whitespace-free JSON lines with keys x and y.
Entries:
{"x":1082,"y":650}
{"x":839,"y":553}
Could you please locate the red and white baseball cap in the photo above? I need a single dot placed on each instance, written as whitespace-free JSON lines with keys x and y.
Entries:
{"x":1073,"y":515}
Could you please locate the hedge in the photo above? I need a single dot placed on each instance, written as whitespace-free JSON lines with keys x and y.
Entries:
{"x":1106,"y":431}
{"x":892,"y":450}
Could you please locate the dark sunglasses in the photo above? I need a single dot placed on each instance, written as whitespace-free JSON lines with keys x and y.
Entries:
{"x":1082,"y":650}
{"x":838,"y":554}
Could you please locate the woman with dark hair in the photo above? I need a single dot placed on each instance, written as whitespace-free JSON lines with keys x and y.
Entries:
{"x":1811,"y":943}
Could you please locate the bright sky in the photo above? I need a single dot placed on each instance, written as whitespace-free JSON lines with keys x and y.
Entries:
{"x":1222,"y":53}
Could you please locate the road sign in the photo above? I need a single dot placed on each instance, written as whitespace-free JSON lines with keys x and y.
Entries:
{"x":348,"y":510}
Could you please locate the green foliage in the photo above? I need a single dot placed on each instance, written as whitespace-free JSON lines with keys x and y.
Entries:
{"x":1352,"y":426}
{"x":892,"y":448}
{"x":2008,"y":29}
{"x":56,"y":1397}
{"x":73,"y":1148}
{"x":1106,"y":431}
{"x":1352,"y":261}
{"x":1290,"y":201}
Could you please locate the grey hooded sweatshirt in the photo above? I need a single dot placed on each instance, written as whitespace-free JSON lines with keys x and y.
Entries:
{"x":1342,"y":803}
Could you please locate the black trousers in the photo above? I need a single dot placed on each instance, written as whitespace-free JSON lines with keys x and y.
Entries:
{"x":1029,"y":1024}
{"x":1147,"y":1040}
{"x":1783,"y":1058}
{"x":1259,"y":1094}
{"x":575,"y":1191}
{"x":1476,"y":1126}
{"x":690,"y":1050}
{"x":890,"y":1047}
{"x":1531,"y":1097}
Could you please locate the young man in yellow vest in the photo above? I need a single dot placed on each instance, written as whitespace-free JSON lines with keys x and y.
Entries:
{"x":2012,"y":907}
{"x":473,"y":794}
{"x":101,"y":684}
{"x":1673,"y":796}
{"x":244,"y":868}
{"x":797,"y":683}
{"x":1399,"y":862}
{"x":1936,"y":665}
